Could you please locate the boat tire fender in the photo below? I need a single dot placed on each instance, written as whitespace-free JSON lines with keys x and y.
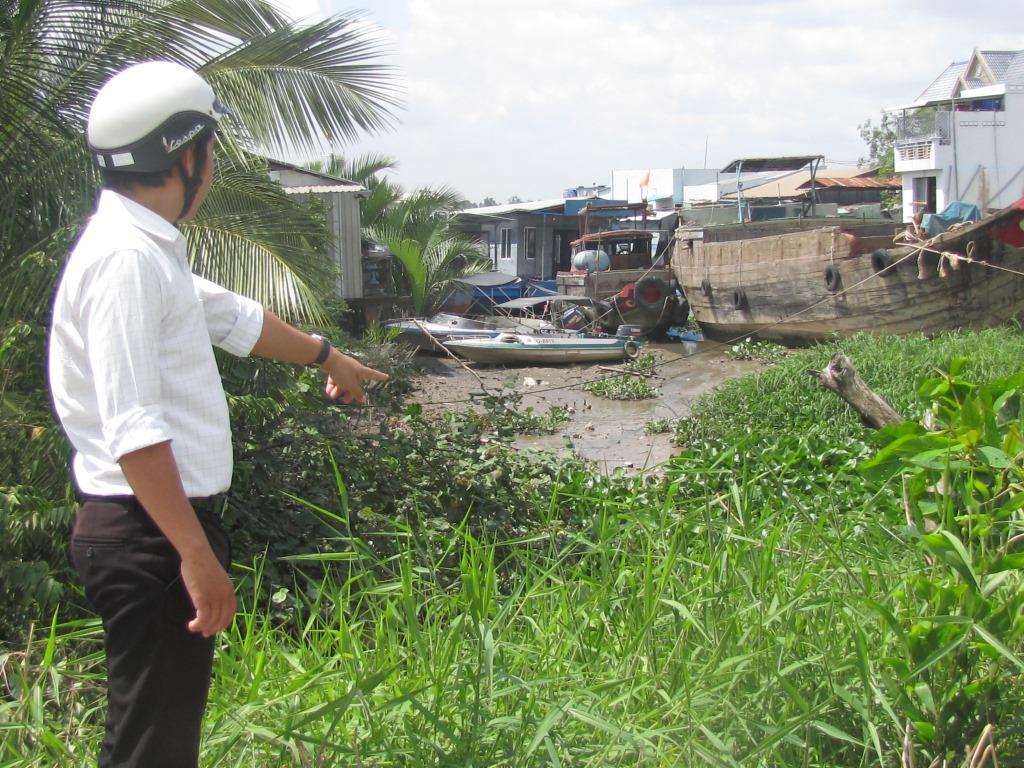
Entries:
{"x":651,"y":292}
{"x":832,"y":278}
{"x":739,"y":298}
{"x":705,"y":287}
{"x":881,"y":262}
{"x":631,"y":348}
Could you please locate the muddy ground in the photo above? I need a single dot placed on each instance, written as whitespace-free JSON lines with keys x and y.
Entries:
{"x":610,"y":433}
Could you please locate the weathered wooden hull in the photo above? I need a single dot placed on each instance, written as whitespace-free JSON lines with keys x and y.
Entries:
{"x":805,"y":286}
{"x":652,"y":319}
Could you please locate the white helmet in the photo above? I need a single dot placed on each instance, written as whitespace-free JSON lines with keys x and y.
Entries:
{"x":143,"y":117}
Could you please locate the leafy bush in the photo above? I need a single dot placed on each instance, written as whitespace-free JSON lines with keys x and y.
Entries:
{"x":961,"y":611}
{"x":399,"y":471}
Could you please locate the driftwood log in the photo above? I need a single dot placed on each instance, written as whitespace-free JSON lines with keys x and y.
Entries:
{"x":841,"y":377}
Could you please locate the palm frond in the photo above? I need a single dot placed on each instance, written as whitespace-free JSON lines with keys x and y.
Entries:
{"x":297,"y":88}
{"x":383,"y":195}
{"x":291,"y":86}
{"x":431,"y":264}
{"x":361,"y":169}
{"x":253,"y":238}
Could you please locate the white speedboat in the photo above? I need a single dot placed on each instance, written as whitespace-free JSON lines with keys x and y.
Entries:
{"x":526,"y":348}
{"x":443,"y":326}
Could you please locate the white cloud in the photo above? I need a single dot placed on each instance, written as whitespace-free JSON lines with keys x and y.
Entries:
{"x":306,"y":11}
{"x":527,"y":97}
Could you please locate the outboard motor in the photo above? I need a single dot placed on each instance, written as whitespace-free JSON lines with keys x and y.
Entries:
{"x":574,"y":319}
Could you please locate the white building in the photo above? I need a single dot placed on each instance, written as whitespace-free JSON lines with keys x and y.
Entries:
{"x":681,"y":185}
{"x":963,"y":138}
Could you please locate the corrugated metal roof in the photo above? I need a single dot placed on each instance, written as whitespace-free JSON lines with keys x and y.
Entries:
{"x":353,"y":187}
{"x":755,"y":164}
{"x":530,"y":207}
{"x":857,"y":182}
{"x":790,"y":184}
{"x":278,"y":165}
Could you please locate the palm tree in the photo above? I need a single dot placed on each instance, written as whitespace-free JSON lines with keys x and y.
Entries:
{"x":288,"y":86}
{"x":432,"y":257}
{"x":415,"y":227}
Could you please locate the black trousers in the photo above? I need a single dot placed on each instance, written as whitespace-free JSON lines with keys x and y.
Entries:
{"x":158,"y":672}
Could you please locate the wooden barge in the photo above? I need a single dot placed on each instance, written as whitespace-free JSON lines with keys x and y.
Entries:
{"x":801,"y":281}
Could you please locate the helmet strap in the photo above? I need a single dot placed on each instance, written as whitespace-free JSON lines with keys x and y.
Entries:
{"x":191,"y":187}
{"x":192,"y":182}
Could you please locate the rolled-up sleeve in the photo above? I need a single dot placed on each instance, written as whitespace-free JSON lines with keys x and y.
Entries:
{"x":121,"y":306}
{"x":234,"y":322}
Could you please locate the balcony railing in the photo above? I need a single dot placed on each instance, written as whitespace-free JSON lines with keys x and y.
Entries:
{"x":924,"y":125}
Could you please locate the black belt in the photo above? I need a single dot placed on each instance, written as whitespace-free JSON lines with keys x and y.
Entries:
{"x":208,"y":505}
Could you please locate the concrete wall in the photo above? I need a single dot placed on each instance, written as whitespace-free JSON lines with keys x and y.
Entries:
{"x":545,"y":261}
{"x":983,"y":163}
{"x":681,"y":184}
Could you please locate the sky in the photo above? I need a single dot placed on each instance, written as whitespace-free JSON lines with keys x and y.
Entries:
{"x":526,"y":98}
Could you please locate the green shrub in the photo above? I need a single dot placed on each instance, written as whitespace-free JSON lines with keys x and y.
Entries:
{"x":960,"y":612}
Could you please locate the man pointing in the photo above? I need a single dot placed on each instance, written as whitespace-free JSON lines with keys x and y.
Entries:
{"x":136,"y":387}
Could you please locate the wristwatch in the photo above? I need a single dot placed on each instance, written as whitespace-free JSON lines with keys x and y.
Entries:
{"x":325,"y":350}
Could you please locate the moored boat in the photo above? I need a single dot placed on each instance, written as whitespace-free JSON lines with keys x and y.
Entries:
{"x":428,"y":334}
{"x":617,"y":267}
{"x":526,"y":348}
{"x":842,"y":278}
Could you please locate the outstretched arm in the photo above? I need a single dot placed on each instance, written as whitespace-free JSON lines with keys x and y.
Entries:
{"x":345,"y":375}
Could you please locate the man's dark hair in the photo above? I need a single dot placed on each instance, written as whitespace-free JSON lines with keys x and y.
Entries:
{"x":120,"y":181}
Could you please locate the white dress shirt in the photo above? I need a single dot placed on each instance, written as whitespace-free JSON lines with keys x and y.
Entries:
{"x":130,"y":360}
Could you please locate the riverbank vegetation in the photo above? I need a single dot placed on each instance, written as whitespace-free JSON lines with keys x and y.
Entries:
{"x":791,"y":590}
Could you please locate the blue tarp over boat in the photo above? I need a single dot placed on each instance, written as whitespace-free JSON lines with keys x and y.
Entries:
{"x":490,"y":288}
{"x":954,"y":213}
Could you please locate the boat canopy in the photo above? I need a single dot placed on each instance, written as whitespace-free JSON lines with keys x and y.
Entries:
{"x":530,"y":302}
{"x":759,"y":164}
{"x":488,"y":279}
{"x":613,"y":235}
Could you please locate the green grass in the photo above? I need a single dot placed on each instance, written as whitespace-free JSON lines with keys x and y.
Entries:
{"x":675,"y":628}
{"x":725,"y":613}
{"x":785,"y":399}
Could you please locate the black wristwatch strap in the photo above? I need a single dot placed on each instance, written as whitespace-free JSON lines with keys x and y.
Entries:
{"x":325,"y":350}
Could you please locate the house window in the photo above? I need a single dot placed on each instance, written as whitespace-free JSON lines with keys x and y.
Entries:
{"x":506,"y":244}
{"x":530,"y":240}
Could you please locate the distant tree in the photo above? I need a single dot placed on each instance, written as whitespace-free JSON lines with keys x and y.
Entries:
{"x":487,"y":201}
{"x":514,"y":199}
{"x":881,"y":142}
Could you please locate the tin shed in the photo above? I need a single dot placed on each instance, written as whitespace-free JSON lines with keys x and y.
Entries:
{"x":342,"y":201}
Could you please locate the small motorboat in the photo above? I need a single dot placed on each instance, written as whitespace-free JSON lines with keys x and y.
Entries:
{"x":428,"y":334}
{"x":527,"y":348}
